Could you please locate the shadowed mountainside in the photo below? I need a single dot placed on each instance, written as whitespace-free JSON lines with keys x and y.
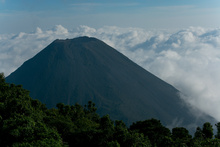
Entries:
{"x":82,"y":69}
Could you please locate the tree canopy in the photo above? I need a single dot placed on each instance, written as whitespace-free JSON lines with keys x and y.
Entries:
{"x":27,"y":122}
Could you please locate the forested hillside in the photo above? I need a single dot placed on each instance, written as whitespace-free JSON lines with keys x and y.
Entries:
{"x":27,"y":122}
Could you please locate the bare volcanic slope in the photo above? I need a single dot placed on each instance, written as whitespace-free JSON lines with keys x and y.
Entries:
{"x":82,"y":69}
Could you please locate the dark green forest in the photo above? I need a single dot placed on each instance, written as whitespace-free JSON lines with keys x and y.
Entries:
{"x":27,"y":122}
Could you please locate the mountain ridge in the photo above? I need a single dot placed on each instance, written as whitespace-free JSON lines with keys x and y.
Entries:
{"x":85,"y":68}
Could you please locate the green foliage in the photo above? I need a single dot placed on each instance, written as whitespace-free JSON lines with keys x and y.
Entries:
{"x":121,"y":133}
{"x":27,"y":122}
{"x":113,"y":144}
{"x":218,"y":130}
{"x":21,"y":121}
{"x":207,"y":130}
{"x":152,"y":129}
{"x":199,"y":134}
{"x":181,"y":136}
{"x":136,"y":139}
{"x":206,"y":143}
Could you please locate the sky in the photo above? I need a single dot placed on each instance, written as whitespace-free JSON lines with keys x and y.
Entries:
{"x":26,"y":15}
{"x":178,"y":41}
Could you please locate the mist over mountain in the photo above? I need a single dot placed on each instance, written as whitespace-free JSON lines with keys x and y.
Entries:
{"x":82,"y":69}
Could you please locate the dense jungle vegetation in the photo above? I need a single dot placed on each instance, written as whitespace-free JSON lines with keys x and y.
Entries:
{"x":27,"y":122}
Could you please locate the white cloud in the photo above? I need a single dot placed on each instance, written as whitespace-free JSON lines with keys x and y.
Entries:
{"x":189,"y":59}
{"x":192,"y":66}
{"x":59,"y":30}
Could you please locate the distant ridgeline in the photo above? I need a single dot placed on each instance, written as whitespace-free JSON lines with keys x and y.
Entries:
{"x":27,"y":122}
{"x":82,"y":69}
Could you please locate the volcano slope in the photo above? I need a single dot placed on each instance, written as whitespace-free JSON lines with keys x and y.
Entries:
{"x":82,"y":69}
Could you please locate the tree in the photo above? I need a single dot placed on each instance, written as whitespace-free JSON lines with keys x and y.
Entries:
{"x":136,"y":139}
{"x":21,"y":119}
{"x":107,"y":127}
{"x":78,"y":126}
{"x":180,"y":133}
{"x":181,"y":136}
{"x":198,"y":134}
{"x":153,"y":130}
{"x":207,"y":130}
{"x":121,"y":133}
{"x":218,"y":130}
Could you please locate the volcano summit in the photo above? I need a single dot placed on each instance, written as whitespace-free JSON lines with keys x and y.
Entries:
{"x":82,"y":69}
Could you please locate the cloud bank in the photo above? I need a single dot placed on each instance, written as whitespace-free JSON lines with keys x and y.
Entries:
{"x":188,"y":59}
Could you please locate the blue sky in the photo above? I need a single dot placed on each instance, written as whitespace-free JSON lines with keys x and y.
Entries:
{"x":26,"y":15}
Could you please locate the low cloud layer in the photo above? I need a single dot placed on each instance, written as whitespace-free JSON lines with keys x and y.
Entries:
{"x":189,"y":59}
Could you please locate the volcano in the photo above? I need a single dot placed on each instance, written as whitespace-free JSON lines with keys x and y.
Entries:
{"x":82,"y":69}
